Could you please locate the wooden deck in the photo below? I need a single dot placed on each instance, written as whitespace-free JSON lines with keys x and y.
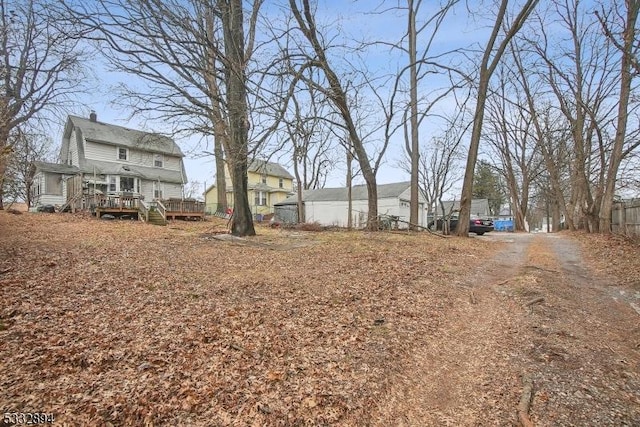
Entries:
{"x":117,"y":205}
{"x":120,"y":205}
{"x":181,"y":209}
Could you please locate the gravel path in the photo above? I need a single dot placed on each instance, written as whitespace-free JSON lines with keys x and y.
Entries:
{"x":534,"y":311}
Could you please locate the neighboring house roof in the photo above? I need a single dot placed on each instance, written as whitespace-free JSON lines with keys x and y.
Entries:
{"x":269,"y":168}
{"x":56,"y":168}
{"x":119,"y":135}
{"x":478,"y":206}
{"x":358,"y":192}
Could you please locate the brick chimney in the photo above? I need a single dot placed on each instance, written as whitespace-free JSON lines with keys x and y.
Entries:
{"x":93,"y":117}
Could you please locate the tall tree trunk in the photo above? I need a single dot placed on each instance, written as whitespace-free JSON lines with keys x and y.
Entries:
{"x":625,"y":89}
{"x":472,"y":157}
{"x":299,"y":185}
{"x":5,"y":148}
{"x":338,"y":97}
{"x":220,"y":128}
{"x":487,"y":68}
{"x":415,"y":153}
{"x":221,"y":182}
{"x":349,"y":187}
{"x":232,"y":22}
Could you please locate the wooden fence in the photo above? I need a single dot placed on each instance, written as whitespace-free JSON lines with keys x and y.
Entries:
{"x":625,"y":218}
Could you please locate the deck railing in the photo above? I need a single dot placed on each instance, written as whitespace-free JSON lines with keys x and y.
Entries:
{"x":119,"y":202}
{"x":185,"y":206}
{"x":162,"y":209}
{"x":144,"y":210}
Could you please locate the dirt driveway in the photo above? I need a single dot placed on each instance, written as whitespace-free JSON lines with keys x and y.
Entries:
{"x":535,"y":322}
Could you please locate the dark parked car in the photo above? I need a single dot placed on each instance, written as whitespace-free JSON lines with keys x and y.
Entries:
{"x":476,"y":225}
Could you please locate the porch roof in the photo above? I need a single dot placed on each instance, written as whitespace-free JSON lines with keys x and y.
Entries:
{"x":56,"y":168}
{"x":143,"y":172}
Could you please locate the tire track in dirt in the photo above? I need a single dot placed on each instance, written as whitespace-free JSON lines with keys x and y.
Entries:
{"x":537,"y":310}
{"x":464,"y":374}
{"x":584,"y":346}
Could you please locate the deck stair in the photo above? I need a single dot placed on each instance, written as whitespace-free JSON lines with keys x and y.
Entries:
{"x":156,"y":218}
{"x":71,"y":202}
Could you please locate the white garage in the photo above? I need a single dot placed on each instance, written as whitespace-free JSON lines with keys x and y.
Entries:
{"x":330,"y":206}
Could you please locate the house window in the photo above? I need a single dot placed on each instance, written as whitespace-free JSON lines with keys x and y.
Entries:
{"x":128,"y":184}
{"x":264,"y":179}
{"x":112,"y":184}
{"x":261,"y":198}
{"x":123,"y":153}
{"x":281,"y":183}
{"x":158,"y":160}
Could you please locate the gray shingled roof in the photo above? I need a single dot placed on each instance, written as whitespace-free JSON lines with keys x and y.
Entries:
{"x":269,"y":168}
{"x":358,"y":192}
{"x":56,"y":168}
{"x":112,"y":168}
{"x":122,"y":136}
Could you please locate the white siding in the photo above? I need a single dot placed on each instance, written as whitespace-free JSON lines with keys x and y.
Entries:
{"x":172,"y":163}
{"x":389,"y":206}
{"x":146,"y":190}
{"x":109,"y":153}
{"x":103,"y":152}
{"x":72,"y":154}
{"x":405,"y":210}
{"x":50,"y":199}
{"x":335,"y":213}
{"x":169,"y":190}
{"x":172,"y":191}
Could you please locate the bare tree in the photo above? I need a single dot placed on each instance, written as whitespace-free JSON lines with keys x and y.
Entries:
{"x":40,"y":67}
{"x":337,"y":94}
{"x":629,"y":48}
{"x":196,"y":60}
{"x":28,"y":148}
{"x":312,"y":145}
{"x":423,"y":65}
{"x":510,"y":134}
{"x":580,"y":73}
{"x":490,"y":60}
{"x":440,"y":163}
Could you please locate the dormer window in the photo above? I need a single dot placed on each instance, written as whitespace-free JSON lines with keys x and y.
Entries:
{"x":158,"y":160}
{"x":281,"y":183}
{"x":123,"y":153}
{"x":264,"y":179}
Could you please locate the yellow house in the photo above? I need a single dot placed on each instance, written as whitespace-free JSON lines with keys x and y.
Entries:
{"x":269,"y":183}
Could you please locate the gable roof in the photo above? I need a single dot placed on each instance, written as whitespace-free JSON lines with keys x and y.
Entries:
{"x":119,"y":135}
{"x":269,"y":168}
{"x":358,"y":192}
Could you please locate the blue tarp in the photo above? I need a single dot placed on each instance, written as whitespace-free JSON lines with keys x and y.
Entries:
{"x":503,"y":225}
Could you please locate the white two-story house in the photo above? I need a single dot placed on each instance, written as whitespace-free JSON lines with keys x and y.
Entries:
{"x":101,"y":161}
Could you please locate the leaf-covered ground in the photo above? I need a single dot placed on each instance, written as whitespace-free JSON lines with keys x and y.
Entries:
{"x":124,"y":323}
